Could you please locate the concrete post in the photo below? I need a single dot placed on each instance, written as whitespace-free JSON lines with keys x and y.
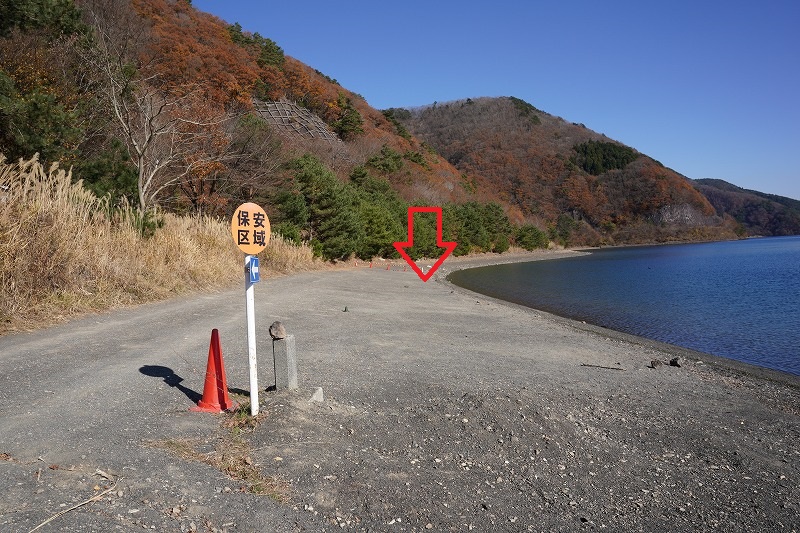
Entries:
{"x":285,"y":363}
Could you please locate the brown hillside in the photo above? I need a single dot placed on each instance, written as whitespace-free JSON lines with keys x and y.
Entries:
{"x":294,"y":81}
{"x":216,"y":69}
{"x":527,"y":159}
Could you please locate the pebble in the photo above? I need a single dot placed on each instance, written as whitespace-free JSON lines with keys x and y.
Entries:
{"x":318,"y":396}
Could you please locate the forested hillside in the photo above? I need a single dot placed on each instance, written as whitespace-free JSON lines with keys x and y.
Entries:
{"x":152,"y":102}
{"x":759,"y":214}
{"x":81,"y":82}
{"x":558,"y":174}
{"x":168,"y":109}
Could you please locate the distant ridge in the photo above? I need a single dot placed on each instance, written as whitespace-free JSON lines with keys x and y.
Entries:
{"x":758,"y":213}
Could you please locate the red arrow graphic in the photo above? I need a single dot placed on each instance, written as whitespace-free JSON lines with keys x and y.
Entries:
{"x":448,"y":246}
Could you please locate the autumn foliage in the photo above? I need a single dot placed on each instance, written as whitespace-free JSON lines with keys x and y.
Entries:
{"x":581,"y":185}
{"x":153,"y":103}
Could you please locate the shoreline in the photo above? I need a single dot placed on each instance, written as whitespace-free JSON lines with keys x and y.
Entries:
{"x":468,"y":262}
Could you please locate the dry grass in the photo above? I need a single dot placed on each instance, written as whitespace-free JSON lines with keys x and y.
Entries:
{"x":63,"y":251}
{"x":232,"y":454}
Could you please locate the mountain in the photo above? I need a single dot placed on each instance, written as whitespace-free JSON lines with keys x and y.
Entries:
{"x":557,"y":173}
{"x":159,"y":104}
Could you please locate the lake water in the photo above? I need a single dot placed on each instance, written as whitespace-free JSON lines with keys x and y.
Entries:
{"x":739,"y":300}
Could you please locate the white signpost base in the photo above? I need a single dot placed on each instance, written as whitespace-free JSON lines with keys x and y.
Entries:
{"x":251,"y":337}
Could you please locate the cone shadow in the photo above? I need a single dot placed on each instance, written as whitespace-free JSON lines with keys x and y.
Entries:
{"x":171,"y":379}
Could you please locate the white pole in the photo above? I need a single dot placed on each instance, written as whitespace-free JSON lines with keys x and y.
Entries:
{"x":251,"y":338}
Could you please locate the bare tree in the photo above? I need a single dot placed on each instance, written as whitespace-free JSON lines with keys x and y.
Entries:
{"x":170,"y":131}
{"x":164,"y":144}
{"x":178,"y":138}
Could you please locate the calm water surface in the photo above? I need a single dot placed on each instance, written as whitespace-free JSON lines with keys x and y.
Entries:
{"x":739,"y":299}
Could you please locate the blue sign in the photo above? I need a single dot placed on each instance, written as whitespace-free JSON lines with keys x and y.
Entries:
{"x":252,"y":270}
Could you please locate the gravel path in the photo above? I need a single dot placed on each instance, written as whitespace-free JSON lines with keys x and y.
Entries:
{"x":443,"y":411}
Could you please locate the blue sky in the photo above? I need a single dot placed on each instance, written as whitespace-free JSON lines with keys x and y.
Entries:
{"x":708,"y":88}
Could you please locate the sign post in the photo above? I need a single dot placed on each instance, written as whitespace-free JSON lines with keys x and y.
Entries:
{"x":250,"y":230}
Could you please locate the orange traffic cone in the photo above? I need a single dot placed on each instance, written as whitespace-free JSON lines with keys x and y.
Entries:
{"x":215,"y":391}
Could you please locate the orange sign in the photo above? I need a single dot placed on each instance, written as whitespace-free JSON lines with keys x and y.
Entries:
{"x":250,"y":228}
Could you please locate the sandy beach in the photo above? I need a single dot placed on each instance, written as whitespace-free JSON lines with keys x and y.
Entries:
{"x":443,"y":410}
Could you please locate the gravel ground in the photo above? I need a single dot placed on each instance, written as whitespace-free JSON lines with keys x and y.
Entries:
{"x":443,"y":411}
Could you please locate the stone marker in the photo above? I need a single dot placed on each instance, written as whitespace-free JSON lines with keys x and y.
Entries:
{"x":284,"y":358}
